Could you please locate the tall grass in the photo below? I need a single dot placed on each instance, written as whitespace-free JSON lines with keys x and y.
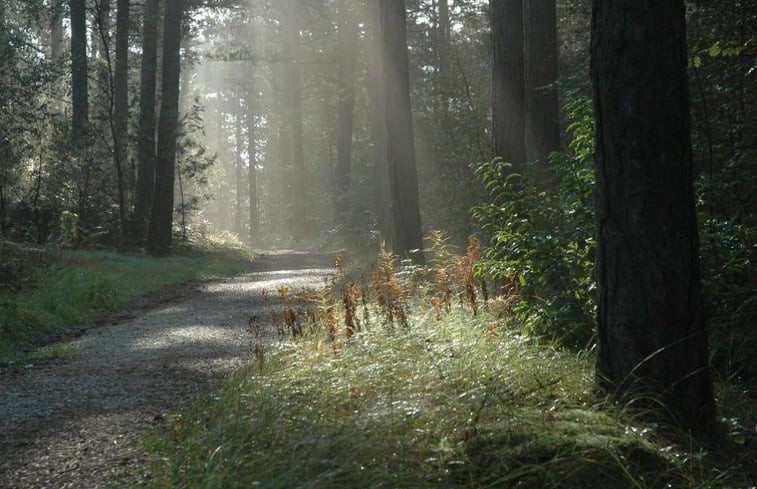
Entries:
{"x":58,"y":288}
{"x":452,"y":397}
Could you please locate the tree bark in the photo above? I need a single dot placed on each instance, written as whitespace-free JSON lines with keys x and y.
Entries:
{"x":56,"y":50}
{"x":403,"y":176}
{"x":147,"y":121}
{"x":443,"y":30}
{"x":252,"y":176}
{"x":291,"y":33}
{"x":121,"y":107}
{"x":381,"y":189}
{"x":103,"y":63}
{"x":347,"y":35}
{"x":508,"y":97}
{"x":79,"y":91}
{"x":238,"y":180}
{"x":651,"y":329}
{"x":541,"y":112}
{"x":161,"y":219}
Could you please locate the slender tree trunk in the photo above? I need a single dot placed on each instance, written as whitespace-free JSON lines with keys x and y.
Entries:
{"x":382,"y":190}
{"x":542,"y":116}
{"x":103,"y":94}
{"x":508,"y":93}
{"x":252,"y":180}
{"x":651,"y":328}
{"x":147,"y":121}
{"x":238,"y":181}
{"x":443,"y":51}
{"x":291,"y":32}
{"x":161,"y":219}
{"x":252,"y":176}
{"x":79,"y":97}
{"x":121,"y":107}
{"x":56,"y":50}
{"x":346,"y":72}
{"x":403,"y":176}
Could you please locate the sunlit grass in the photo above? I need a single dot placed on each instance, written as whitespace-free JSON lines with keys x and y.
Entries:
{"x":461,"y":402}
{"x":66,"y":287}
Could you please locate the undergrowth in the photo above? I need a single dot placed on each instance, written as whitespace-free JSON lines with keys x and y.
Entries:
{"x":45,"y":290}
{"x":411,"y":378}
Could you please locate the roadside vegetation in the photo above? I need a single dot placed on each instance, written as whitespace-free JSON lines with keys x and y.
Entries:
{"x":44,"y":290}
{"x":414,"y":377}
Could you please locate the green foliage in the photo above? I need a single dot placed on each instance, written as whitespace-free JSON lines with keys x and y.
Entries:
{"x":541,"y":236}
{"x":728,"y":276}
{"x":59,"y":288}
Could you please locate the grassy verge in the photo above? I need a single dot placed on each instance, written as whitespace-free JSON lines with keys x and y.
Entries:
{"x":451,"y":400}
{"x":53,"y":289}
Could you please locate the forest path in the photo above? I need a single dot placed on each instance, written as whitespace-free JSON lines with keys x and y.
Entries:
{"x":79,"y":422}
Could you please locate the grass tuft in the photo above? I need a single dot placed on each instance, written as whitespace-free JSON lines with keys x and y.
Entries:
{"x":454,"y":398}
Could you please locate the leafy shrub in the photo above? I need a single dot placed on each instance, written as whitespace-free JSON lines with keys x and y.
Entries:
{"x":541,"y":236}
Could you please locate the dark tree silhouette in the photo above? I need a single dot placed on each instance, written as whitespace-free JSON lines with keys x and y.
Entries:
{"x":147,"y":121}
{"x":400,"y":148}
{"x":161,"y":219}
{"x":651,"y":329}
{"x":79,"y":91}
{"x":508,"y":97}
{"x":541,"y":111}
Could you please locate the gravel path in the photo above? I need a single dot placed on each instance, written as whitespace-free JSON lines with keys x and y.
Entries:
{"x":79,"y":422}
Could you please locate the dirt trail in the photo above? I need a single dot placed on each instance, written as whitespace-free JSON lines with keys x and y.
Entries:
{"x":79,"y":422}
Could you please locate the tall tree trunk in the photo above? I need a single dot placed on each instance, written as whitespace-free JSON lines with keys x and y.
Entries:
{"x":239,"y":183}
{"x":291,"y":33}
{"x":252,"y":176}
{"x":346,"y":72}
{"x":403,"y":176}
{"x":121,"y":107}
{"x":382,"y":190}
{"x":508,"y":93}
{"x":56,"y":50}
{"x":103,"y":63}
{"x":443,"y":30}
{"x":252,"y":180}
{"x":651,"y":328}
{"x":146,"y":141}
{"x":161,"y":219}
{"x":542,"y":116}
{"x":79,"y":92}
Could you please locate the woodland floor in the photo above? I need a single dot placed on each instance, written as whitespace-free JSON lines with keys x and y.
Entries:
{"x":80,"y":421}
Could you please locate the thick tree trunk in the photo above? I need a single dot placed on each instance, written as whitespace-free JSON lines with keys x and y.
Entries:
{"x":291,"y":33}
{"x":121,"y":107}
{"x":161,"y":219}
{"x":79,"y":91}
{"x":347,"y":65}
{"x":147,"y":120}
{"x":508,"y":102}
{"x":542,"y":116}
{"x":403,"y":176}
{"x":651,"y":329}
